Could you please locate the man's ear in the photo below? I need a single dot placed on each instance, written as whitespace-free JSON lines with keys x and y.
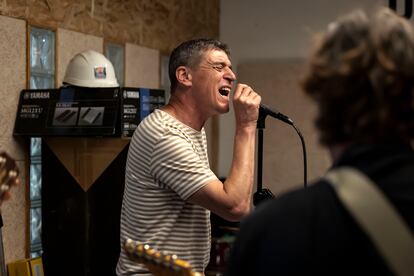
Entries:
{"x":183,"y":76}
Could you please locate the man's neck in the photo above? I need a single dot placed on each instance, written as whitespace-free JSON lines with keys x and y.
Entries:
{"x":186,"y":113}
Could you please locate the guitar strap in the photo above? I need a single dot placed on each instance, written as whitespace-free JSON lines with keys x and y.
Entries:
{"x":377,"y":217}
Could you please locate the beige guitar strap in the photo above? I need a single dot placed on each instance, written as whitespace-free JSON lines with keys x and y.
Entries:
{"x":377,"y":216}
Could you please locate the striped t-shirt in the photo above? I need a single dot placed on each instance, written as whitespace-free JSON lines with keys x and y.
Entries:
{"x":167,"y":163}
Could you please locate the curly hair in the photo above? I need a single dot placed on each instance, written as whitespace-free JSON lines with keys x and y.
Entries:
{"x":361,"y":76}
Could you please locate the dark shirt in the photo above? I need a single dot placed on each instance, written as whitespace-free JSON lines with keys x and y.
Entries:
{"x":308,"y":231}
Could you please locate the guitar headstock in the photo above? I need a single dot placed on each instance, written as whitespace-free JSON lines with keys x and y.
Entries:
{"x":156,"y":262}
{"x":9,"y":174}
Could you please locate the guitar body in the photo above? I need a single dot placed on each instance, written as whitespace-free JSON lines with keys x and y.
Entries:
{"x":9,"y":174}
{"x":3,"y":271}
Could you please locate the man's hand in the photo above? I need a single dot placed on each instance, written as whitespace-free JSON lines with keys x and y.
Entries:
{"x":246,"y":104}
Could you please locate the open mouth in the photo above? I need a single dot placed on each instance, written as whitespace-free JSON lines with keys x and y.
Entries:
{"x":224,"y":91}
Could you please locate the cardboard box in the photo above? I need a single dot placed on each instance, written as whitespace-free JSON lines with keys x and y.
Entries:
{"x":27,"y":267}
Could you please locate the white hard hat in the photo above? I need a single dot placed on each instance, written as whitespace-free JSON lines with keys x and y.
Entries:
{"x":90,"y":69}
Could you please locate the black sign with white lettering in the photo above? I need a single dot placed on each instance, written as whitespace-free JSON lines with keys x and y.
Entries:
{"x":68,"y":111}
{"x":137,"y":103}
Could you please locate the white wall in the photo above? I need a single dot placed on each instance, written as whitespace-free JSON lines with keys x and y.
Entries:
{"x":270,"y":30}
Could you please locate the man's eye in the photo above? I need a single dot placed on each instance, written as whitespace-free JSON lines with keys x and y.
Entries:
{"x":218,"y":67}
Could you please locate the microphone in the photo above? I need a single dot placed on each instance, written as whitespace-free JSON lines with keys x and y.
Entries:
{"x":265,"y":110}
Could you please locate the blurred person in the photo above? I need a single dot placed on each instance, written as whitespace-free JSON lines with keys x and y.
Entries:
{"x":361,"y":76}
{"x":169,"y":187}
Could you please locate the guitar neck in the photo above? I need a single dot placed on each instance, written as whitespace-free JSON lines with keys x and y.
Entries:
{"x":157,"y":263}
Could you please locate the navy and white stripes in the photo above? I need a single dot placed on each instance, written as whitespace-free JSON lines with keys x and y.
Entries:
{"x":167,"y":163}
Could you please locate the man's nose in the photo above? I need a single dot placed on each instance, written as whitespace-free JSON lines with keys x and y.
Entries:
{"x":230,"y":75}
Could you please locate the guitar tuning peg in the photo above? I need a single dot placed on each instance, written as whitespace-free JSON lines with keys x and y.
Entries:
{"x":165,"y":257}
{"x":129,"y":245}
{"x":12,"y":174}
{"x":4,"y":188}
{"x":149,"y":253}
{"x":173,"y":263}
{"x":173,"y":258}
{"x":139,"y":250}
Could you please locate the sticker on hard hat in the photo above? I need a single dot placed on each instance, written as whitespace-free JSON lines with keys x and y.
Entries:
{"x":100,"y":72}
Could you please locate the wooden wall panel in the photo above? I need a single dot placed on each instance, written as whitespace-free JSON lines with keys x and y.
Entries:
{"x":142,"y":66}
{"x":13,"y":80}
{"x":278,"y":83}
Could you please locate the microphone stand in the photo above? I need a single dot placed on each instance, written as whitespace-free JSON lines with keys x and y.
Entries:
{"x":263,"y":194}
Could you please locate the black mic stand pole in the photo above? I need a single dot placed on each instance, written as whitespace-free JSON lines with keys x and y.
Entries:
{"x":261,"y":194}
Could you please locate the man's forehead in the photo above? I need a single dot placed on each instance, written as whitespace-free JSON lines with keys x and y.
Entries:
{"x":217,"y":56}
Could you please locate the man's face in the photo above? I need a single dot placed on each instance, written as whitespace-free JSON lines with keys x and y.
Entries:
{"x":212,"y":82}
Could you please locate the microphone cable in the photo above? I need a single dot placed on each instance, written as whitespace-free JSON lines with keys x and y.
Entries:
{"x":305,"y":166}
{"x":263,"y":112}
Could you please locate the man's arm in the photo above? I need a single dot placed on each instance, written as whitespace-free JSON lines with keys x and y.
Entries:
{"x":232,"y":199}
